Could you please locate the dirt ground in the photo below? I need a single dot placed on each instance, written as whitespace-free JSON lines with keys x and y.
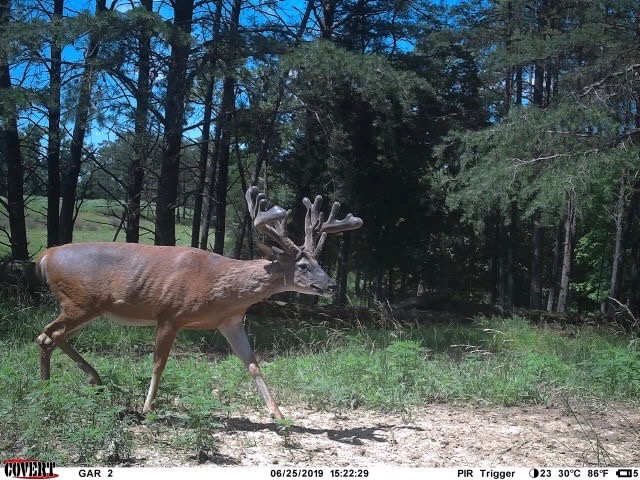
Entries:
{"x":573,"y":433}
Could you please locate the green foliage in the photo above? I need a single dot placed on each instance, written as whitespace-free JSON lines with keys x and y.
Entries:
{"x":63,"y":420}
{"x":613,"y":369}
{"x":536,"y":157}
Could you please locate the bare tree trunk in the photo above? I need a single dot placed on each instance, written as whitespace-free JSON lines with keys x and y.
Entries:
{"x":342,"y":275}
{"x":616,"y":263}
{"x":538,"y":84}
{"x":569,"y":235}
{"x":15,"y":173}
{"x":227,"y":114}
{"x":555,"y":268}
{"x":506,"y":241}
{"x":535,"y":290}
{"x":358,"y":285}
{"x":202,"y":163}
{"x":53,"y":143}
{"x":141,"y":141}
{"x":633,"y":287}
{"x":511,"y":253}
{"x":519,"y":80}
{"x":225,"y":126}
{"x":508,"y":78}
{"x":72,"y":172}
{"x":328,"y":18}
{"x":174,"y":120}
{"x":244,"y":218}
{"x":492,"y":235}
{"x":206,"y":132}
{"x":211,"y":188}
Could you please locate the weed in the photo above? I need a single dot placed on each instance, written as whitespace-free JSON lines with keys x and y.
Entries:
{"x":201,"y":414}
{"x":285,"y":429}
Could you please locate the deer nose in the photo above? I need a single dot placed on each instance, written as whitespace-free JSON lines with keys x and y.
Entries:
{"x":332,"y":287}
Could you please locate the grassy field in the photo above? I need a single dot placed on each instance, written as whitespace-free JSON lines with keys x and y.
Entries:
{"x":95,"y":222}
{"x":490,"y":360}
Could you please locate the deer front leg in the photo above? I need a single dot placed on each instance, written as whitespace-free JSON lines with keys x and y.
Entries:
{"x":237,"y":338}
{"x":165,"y":336}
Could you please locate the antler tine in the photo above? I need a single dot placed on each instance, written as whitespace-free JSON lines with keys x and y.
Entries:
{"x":272,"y":222}
{"x":347,"y":223}
{"x":316,"y":229}
{"x":312,"y":222}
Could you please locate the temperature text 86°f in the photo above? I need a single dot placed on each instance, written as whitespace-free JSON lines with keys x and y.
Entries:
{"x":588,"y":473}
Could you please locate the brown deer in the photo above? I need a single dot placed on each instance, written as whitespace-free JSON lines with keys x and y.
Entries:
{"x":177,"y":288}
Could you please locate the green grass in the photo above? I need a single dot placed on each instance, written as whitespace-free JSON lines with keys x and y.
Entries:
{"x":491,"y":360}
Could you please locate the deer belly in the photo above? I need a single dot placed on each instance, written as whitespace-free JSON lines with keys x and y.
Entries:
{"x":130,"y":321}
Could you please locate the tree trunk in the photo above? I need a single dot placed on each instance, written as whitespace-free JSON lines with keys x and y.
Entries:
{"x":492,"y":235}
{"x":202,"y":163}
{"x":506,"y":238}
{"x":15,"y":173}
{"x":328,"y":18}
{"x":538,"y":84}
{"x":53,"y":142}
{"x":72,"y":172}
{"x":206,"y":132}
{"x":342,"y":276}
{"x":633,"y":221}
{"x":244,"y":217}
{"x":519,"y":81}
{"x":569,"y":234}
{"x":511,"y":253}
{"x":226,"y":114}
{"x":535,"y":290}
{"x":225,"y":126}
{"x":618,"y":251}
{"x":555,"y":268}
{"x":141,"y":141}
{"x":391,"y":281}
{"x":174,"y":119}
{"x":357,"y":286}
{"x":208,"y":206}
{"x":633,"y":288}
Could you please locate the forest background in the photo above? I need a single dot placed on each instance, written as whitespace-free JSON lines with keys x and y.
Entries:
{"x":490,"y":146}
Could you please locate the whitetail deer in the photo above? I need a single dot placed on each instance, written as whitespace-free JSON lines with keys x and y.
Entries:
{"x":184,"y":288}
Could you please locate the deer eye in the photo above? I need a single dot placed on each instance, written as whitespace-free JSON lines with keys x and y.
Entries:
{"x":303,"y":267}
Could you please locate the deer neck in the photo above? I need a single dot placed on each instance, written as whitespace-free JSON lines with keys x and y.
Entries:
{"x":250,"y":285}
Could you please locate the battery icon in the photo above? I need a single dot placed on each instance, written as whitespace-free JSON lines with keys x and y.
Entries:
{"x":624,"y":473}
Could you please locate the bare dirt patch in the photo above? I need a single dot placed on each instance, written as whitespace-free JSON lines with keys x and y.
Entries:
{"x":573,"y":433}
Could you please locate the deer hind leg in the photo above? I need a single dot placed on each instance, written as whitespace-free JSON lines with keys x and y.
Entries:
{"x":165,"y":336}
{"x":237,"y":338}
{"x":56,"y":334}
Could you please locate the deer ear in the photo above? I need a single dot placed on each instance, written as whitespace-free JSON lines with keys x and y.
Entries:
{"x":267,"y":253}
{"x":272,"y":253}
